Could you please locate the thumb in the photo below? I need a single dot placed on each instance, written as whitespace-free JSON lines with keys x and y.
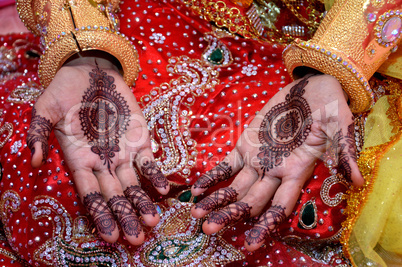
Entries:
{"x":38,"y":135}
{"x":347,"y":164}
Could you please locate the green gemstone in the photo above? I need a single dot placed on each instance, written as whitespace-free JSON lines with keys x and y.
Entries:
{"x":308,"y":216}
{"x":216,"y":56}
{"x":185,"y":196}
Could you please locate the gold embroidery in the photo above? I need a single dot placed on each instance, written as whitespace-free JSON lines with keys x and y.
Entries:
{"x":7,"y":56}
{"x":223,"y":16}
{"x":322,"y":250}
{"x":71,"y":243}
{"x":368,"y":164}
{"x":25,"y":93}
{"x":8,"y":254}
{"x":10,"y":202}
{"x":167,"y":112}
{"x":314,"y":15}
{"x":326,"y":187}
{"x":394,"y":112}
{"x":7,"y":127}
{"x":179,"y":241}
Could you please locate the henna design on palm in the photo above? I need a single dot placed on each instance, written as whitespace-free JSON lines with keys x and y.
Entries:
{"x":284,"y":128}
{"x":140,"y":200}
{"x":342,"y":148}
{"x":350,"y":141}
{"x":98,"y":209}
{"x":39,"y":131}
{"x":125,"y":213}
{"x":347,"y":150}
{"x":230,"y":214}
{"x":267,"y":225}
{"x":220,"y":173}
{"x":219,"y":198}
{"x":151,"y":171}
{"x":104,"y":116}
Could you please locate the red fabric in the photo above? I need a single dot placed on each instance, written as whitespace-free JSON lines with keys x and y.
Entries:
{"x":4,"y":3}
{"x":30,"y":221}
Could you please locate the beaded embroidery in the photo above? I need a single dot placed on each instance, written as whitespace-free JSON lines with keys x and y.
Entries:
{"x":167,"y":110}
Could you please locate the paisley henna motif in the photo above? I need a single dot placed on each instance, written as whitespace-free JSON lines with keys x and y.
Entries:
{"x":347,"y":152}
{"x":284,"y":128}
{"x":343,"y":148}
{"x":104,"y":116}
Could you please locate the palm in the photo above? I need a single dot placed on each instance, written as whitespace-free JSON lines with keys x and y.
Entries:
{"x":276,"y":154}
{"x":102,"y":133}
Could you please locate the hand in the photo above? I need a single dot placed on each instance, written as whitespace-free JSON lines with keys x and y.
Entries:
{"x":101,"y":131}
{"x":276,"y":155}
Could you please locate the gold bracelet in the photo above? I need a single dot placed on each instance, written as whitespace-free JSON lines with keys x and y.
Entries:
{"x":67,"y":27}
{"x":351,"y":43}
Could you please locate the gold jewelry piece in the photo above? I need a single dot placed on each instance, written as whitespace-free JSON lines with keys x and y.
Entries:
{"x":352,"y":42}
{"x":67,"y":27}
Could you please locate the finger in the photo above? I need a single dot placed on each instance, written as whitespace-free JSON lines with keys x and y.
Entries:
{"x":282,"y":205}
{"x":143,"y":204}
{"x":38,"y":135}
{"x":266,"y":225}
{"x":150,"y":170}
{"x":128,"y":177}
{"x":229,"y":166}
{"x":256,"y":198}
{"x":224,"y":196}
{"x":217,"y":199}
{"x":88,"y":188}
{"x":129,"y":222}
{"x":347,"y":164}
{"x":230,"y":214}
{"x":120,"y":206}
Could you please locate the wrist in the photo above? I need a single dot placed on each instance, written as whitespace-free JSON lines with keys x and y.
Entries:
{"x":94,"y":58}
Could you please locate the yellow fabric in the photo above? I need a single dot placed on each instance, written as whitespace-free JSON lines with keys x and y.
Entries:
{"x":393,"y":65}
{"x":376,"y":235}
{"x":328,"y":4}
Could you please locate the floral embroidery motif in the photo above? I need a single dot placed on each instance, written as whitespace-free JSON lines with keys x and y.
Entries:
{"x":16,"y":146}
{"x":158,"y":38}
{"x":249,"y":70}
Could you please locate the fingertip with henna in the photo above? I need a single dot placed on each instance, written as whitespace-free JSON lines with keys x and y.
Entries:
{"x":255,"y":238}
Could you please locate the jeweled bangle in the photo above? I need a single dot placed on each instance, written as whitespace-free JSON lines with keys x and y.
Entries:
{"x":351,"y":43}
{"x":69,"y":27}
